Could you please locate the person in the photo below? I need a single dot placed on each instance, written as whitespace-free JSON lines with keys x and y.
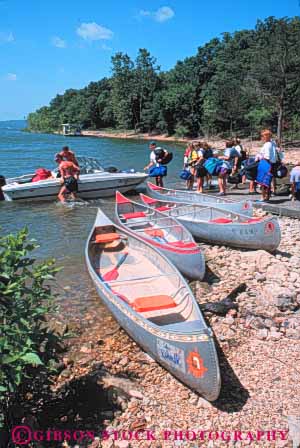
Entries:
{"x":68,"y":155}
{"x":242,"y":153}
{"x":204,"y":153}
{"x":192,"y":161}
{"x":155,"y":161}
{"x":295,"y":182}
{"x":230,"y":165}
{"x":186,"y":166}
{"x":267,"y":165}
{"x":69,"y":174}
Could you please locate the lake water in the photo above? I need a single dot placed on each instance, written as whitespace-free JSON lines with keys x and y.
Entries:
{"x":60,"y":231}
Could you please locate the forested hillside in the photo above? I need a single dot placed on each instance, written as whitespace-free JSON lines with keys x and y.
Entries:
{"x":233,"y":85}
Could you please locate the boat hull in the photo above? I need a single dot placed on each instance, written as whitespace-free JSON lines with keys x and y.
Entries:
{"x":264,"y":235}
{"x":189,"y":355}
{"x":89,"y":187}
{"x":190,"y":197}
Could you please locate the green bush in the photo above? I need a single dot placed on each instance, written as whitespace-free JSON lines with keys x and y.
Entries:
{"x":26,"y":344}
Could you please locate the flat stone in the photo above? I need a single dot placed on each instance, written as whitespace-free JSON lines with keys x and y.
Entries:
{"x":262,"y":334}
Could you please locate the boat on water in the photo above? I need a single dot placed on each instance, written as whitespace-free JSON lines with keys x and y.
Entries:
{"x":94,"y":182}
{"x":154,"y":304}
{"x":163,"y":232}
{"x":192,"y":197}
{"x":220,"y":226}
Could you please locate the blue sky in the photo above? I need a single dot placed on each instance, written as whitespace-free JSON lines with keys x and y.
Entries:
{"x":49,"y":46}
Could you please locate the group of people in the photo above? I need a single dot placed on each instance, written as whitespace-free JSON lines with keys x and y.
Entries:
{"x":235,"y":165}
{"x":201,"y":163}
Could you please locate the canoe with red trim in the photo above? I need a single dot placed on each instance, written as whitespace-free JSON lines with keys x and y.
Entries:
{"x":163,"y":232}
{"x":220,"y":226}
{"x":191,"y":197}
{"x":151,"y":300}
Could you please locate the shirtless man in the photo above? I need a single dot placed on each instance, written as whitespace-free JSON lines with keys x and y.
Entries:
{"x":68,"y":155}
{"x":69,"y":173}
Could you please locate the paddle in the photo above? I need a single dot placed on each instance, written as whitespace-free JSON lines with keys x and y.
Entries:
{"x":113,"y":274}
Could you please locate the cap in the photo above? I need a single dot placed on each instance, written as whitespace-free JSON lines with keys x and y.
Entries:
{"x":152,"y":143}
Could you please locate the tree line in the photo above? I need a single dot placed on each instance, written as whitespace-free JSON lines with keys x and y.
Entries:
{"x":234,"y":85}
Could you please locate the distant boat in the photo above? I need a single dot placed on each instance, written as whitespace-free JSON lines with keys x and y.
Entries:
{"x":71,"y":130}
{"x":94,"y":182}
{"x":154,"y":304}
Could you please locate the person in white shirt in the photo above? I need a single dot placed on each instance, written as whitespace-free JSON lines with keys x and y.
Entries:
{"x":154,"y":161}
{"x":269,"y":153}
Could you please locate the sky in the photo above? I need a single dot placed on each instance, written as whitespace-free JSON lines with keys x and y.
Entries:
{"x":49,"y":46}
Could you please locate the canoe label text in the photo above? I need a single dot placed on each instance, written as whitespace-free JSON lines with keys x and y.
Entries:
{"x":170,"y":354}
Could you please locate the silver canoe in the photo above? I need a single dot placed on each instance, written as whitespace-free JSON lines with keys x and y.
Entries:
{"x":220,"y":226}
{"x":191,"y":197}
{"x":154,"y":304}
{"x":165,"y":233}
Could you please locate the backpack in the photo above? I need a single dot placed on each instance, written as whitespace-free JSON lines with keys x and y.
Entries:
{"x":41,"y":174}
{"x":164,"y":156}
{"x":212,"y":164}
{"x":208,"y":153}
{"x":185,"y":174}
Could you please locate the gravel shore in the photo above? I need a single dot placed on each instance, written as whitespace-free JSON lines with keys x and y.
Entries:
{"x":259,"y":351}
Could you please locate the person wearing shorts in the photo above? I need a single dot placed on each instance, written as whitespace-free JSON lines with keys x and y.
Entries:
{"x":69,"y":174}
{"x":295,"y":182}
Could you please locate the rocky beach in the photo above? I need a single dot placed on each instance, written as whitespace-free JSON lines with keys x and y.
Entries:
{"x":257,"y":333}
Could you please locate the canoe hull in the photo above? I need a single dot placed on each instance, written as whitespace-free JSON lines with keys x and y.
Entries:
{"x":189,"y":197}
{"x":170,"y":349}
{"x":264,"y":235}
{"x":188,"y":353}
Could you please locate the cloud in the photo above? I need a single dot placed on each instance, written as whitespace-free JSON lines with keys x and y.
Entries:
{"x":106,"y":47}
{"x":163,"y":14}
{"x":160,"y":15}
{"x":58,"y":42}
{"x":6,"y":37}
{"x":93,"y":31}
{"x":11,"y":77}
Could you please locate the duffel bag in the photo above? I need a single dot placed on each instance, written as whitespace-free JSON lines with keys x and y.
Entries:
{"x":158,"y":171}
{"x":235,"y":178}
{"x":185,"y":174}
{"x":212,"y":165}
{"x":281,"y":171}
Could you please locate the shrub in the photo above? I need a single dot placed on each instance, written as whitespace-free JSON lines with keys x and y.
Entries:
{"x":26,"y":344}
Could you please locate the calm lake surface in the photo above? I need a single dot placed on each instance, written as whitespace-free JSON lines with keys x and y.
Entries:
{"x":62,"y":231}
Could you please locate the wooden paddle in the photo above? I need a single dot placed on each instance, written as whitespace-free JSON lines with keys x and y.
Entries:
{"x":113,"y":274}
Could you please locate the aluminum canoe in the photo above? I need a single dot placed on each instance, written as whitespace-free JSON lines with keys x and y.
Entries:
{"x":163,"y":232}
{"x":218,"y":226}
{"x":191,"y":197}
{"x":154,"y":304}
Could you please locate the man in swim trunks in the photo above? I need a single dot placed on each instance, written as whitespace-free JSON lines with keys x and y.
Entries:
{"x":68,"y":155}
{"x":69,"y":173}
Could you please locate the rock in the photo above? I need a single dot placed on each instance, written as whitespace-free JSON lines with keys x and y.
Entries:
{"x":295,"y":261}
{"x":260,"y":258}
{"x":202,"y":403}
{"x":294,"y":429}
{"x":136,"y":394}
{"x":86,"y":348}
{"x":281,"y":297}
{"x":124,"y":361}
{"x":275,"y":335}
{"x":229,"y":320}
{"x":277,"y":271}
{"x":262,"y":334}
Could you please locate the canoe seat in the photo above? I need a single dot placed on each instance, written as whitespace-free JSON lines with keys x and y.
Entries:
{"x":162,"y":208}
{"x":153,"y":303}
{"x":154,"y":232}
{"x":184,"y":245}
{"x":107,"y":237}
{"x":251,"y":220}
{"x":133,"y":215}
{"x":185,"y":327}
{"x":221,"y":220}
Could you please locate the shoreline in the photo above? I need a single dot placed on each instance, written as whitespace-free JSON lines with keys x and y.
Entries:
{"x":134,"y":136}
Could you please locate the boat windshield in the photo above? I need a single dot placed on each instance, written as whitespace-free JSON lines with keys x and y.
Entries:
{"x":89,"y":165}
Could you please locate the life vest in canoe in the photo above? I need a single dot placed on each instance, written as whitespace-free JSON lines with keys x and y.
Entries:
{"x":41,"y":174}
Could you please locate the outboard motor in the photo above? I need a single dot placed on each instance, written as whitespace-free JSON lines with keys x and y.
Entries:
{"x":2,"y":183}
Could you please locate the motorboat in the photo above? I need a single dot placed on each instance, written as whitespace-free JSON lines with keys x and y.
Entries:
{"x":94,"y":182}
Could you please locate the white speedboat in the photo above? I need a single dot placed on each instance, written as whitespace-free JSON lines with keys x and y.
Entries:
{"x":94,"y":182}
